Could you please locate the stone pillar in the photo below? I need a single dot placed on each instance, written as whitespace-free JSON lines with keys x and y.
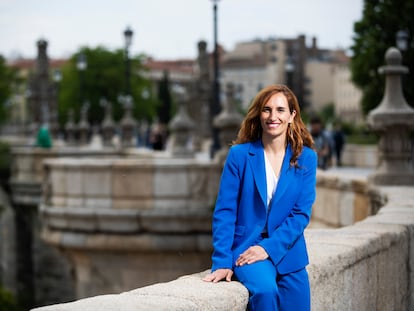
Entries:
{"x":393,"y":120}
{"x":108,"y":124}
{"x":181,"y":126}
{"x":71,"y":129}
{"x":200,"y":111}
{"x":228,"y":122}
{"x":42,"y":94}
{"x":84,"y":126}
{"x":128,"y":124}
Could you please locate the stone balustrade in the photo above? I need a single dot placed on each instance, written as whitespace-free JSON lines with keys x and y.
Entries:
{"x":364,"y":266}
{"x":27,"y":169}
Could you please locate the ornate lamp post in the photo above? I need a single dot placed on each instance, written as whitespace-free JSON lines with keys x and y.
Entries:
{"x":128,"y":41}
{"x":215,"y":106}
{"x":54,"y":126}
{"x":401,"y":40}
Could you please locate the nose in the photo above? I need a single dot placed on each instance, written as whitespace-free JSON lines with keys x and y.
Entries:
{"x":273,"y":114}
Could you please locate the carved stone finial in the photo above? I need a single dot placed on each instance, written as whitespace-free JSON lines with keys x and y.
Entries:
{"x":181,"y":126}
{"x":228,"y":121}
{"x":393,"y":120}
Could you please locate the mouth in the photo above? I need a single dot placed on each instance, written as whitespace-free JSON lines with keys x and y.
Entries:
{"x":272,"y":124}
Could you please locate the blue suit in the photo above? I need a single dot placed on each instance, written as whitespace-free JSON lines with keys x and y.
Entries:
{"x":241,"y":216}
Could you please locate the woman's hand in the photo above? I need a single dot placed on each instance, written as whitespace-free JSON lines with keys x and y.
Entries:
{"x":219,"y":275}
{"x":251,"y":255}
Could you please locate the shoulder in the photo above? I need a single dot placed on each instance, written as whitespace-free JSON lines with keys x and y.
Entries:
{"x":241,"y":152}
{"x":307,"y":156}
{"x":246,"y":148}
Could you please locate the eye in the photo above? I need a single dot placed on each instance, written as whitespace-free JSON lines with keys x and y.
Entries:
{"x":281,"y":109}
{"x":266,"y":109}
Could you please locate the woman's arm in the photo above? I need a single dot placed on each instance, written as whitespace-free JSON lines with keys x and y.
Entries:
{"x":225,"y":213}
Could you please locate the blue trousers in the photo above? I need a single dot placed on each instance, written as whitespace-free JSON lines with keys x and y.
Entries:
{"x":270,"y":291}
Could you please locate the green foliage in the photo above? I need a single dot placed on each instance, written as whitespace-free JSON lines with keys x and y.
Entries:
{"x":374,"y":34}
{"x":7,"y":301}
{"x":7,"y":78}
{"x":327,"y":113}
{"x":104,"y":77}
{"x":360,"y":135}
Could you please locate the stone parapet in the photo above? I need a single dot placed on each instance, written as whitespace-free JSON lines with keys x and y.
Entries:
{"x":186,"y":293}
{"x":27,"y":169}
{"x":342,"y":201}
{"x":365,"y":266}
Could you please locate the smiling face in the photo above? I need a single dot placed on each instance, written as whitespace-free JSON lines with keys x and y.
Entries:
{"x":275,"y":117}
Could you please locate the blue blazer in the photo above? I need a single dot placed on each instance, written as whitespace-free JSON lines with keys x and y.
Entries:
{"x":240,"y":214}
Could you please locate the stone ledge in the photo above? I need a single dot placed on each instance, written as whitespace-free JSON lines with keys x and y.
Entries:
{"x":86,"y":219}
{"x":186,"y":293}
{"x":366,"y":266}
{"x":145,"y":242}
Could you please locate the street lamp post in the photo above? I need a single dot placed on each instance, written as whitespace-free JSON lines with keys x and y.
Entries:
{"x":215,"y":106}
{"x":57,"y":77}
{"x":401,"y":39}
{"x":128,"y":40}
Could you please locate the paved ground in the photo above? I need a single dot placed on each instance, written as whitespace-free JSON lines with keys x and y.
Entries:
{"x":349,"y":172}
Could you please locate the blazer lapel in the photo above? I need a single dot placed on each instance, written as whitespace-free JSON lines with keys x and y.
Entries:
{"x":257,"y":166}
{"x":286,"y":174}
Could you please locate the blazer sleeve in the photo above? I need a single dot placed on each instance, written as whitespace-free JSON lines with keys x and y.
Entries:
{"x":284,"y":236}
{"x":225,"y":213}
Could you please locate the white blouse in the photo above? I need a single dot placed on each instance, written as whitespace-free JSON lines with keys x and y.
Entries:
{"x":271,"y":180}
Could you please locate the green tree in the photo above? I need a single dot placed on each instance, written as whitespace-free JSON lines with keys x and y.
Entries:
{"x":8,"y":77}
{"x":374,"y":34}
{"x":103,"y":77}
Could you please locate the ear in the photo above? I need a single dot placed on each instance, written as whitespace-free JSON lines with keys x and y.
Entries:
{"x":292,"y":116}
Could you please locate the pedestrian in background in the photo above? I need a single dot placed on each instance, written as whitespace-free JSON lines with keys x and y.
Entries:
{"x":323,"y":145}
{"x":339,"y":142}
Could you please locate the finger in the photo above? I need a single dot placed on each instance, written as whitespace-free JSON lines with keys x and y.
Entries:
{"x":208,"y":278}
{"x":228,"y":277}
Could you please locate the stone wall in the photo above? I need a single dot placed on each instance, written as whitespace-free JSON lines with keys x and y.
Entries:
{"x":360,"y":155}
{"x":343,"y":201}
{"x":365,"y":266}
{"x":126,"y":223}
{"x":42,"y":275}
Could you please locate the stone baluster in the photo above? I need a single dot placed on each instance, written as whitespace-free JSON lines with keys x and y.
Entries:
{"x":71,"y":129}
{"x":393,"y":120}
{"x":84,"y":126}
{"x":228,"y":122}
{"x":181,"y":126}
{"x":128,"y":124}
{"x":108,"y":124}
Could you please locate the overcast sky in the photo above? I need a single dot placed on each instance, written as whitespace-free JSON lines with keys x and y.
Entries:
{"x":169,"y":29}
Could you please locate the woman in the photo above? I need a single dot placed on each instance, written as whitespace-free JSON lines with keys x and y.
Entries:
{"x":264,"y":204}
